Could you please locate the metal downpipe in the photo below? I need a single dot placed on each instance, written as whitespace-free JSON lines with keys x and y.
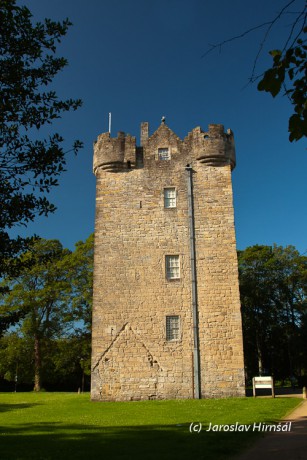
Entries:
{"x":196,"y":357}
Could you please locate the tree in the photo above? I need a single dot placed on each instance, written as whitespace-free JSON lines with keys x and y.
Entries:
{"x":29,"y":163}
{"x":273,"y":289}
{"x":54,"y":291}
{"x":42,"y":292}
{"x":16,"y":364}
{"x":81,"y":267}
{"x":289,"y":68}
{"x":67,"y":364}
{"x":255,"y":300}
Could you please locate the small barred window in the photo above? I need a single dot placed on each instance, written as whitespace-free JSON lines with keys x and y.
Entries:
{"x":170,"y":197}
{"x":164,"y":154}
{"x":172,"y":265}
{"x":172,"y":328}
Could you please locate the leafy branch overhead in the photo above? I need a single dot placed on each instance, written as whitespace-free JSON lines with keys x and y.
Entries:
{"x":29,"y":163}
{"x":289,"y":68}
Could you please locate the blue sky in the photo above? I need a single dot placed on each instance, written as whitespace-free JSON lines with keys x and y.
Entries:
{"x":141,"y":59}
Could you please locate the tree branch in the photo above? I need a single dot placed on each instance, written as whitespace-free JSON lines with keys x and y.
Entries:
{"x":269,"y":25}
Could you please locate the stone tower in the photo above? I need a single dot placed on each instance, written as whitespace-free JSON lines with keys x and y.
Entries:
{"x":166,"y":315}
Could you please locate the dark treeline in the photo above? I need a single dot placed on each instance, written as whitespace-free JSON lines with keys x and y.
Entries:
{"x":273,"y":288}
{"x":48,"y":343}
{"x":45,"y":318}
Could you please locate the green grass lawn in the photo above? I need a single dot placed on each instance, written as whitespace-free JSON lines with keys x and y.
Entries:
{"x":68,"y":426}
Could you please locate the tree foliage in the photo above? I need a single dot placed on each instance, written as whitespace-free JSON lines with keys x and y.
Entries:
{"x":54,"y":293}
{"x":81,"y":266}
{"x":29,"y":163}
{"x":64,"y":362}
{"x":289,"y":70}
{"x":273,"y":289}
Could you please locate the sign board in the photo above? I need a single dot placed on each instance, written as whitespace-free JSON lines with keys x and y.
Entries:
{"x":263,"y":382}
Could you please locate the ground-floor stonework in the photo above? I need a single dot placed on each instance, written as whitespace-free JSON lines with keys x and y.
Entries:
{"x":129,"y":369}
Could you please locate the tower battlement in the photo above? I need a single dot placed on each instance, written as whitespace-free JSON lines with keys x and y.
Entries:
{"x":213,"y":148}
{"x":114,"y":154}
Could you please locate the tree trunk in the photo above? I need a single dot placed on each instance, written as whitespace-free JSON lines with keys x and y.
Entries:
{"x":259,"y":356}
{"x":37,"y":364}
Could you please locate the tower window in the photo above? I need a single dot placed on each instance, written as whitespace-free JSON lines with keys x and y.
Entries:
{"x":170,"y":197}
{"x":172,"y":265}
{"x":172,"y":328}
{"x":164,"y":154}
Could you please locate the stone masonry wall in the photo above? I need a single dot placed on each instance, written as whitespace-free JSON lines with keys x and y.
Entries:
{"x":131,"y":358}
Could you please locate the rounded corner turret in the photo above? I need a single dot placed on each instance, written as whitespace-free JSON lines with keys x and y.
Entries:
{"x":114,"y":154}
{"x":217,"y":147}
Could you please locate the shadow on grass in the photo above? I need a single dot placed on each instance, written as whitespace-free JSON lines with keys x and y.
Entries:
{"x":48,"y":441}
{"x":8,"y":407}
